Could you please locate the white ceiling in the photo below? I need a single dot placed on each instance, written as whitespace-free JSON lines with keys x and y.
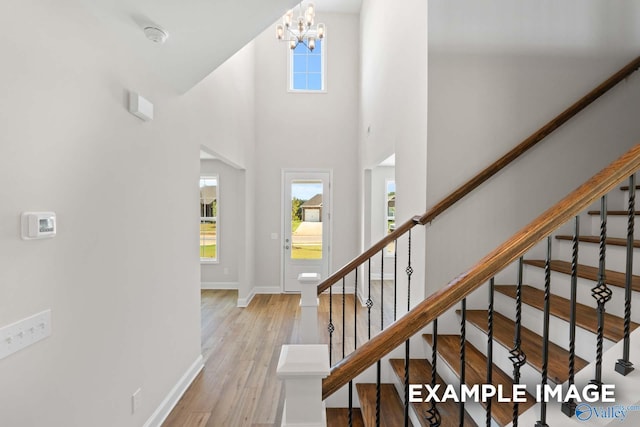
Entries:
{"x":202,"y":33}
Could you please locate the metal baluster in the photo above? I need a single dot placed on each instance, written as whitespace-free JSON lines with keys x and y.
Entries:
{"x":463,"y":341}
{"x":343,"y":315}
{"x":433,"y":415}
{"x":378,"y":394}
{"x":409,"y":271}
{"x":330,"y":327}
{"x":355,"y":312}
{"x":624,"y":365}
{"x":569,"y":407}
{"x":382,"y":290}
{"x":490,"y":346}
{"x":369,"y":301}
{"x":545,"y":334}
{"x":395,"y":281}
{"x":517,"y":358}
{"x":350,"y":403}
{"x":601,"y":292}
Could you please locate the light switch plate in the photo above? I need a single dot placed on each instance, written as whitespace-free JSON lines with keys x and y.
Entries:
{"x":23,"y":333}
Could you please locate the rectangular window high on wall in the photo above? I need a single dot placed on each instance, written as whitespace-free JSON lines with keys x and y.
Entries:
{"x":209,"y":224}
{"x":307,"y":68}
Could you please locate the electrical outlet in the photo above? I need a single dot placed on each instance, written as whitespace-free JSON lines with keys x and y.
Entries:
{"x":135,"y":400}
{"x":23,"y":333}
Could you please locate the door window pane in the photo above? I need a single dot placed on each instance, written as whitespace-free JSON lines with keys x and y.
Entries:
{"x":306,"y":220}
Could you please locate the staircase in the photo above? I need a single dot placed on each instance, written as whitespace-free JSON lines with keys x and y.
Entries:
{"x":391,"y":412}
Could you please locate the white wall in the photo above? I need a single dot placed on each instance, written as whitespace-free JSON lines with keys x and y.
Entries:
{"x":307,"y":131}
{"x":393,"y":108}
{"x":496,"y":74}
{"x":223,"y":274}
{"x":122,"y":276}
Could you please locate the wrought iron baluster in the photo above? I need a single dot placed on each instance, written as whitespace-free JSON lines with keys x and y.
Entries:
{"x":601,"y":292}
{"x":395,"y":281}
{"x":351,"y":403}
{"x":330,"y":326}
{"x":569,"y":407}
{"x":382,"y":289}
{"x":463,"y":342}
{"x":378,"y":394}
{"x":517,"y":358}
{"x":369,"y":301}
{"x":432,"y":414}
{"x":355,"y":311}
{"x":409,"y":271}
{"x":624,"y":365}
{"x":344,"y":314}
{"x":490,"y":346}
{"x":545,"y":333}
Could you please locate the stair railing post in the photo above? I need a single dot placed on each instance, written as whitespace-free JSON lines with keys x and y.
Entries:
{"x":309,"y":307}
{"x":624,"y":365}
{"x":302,"y":368}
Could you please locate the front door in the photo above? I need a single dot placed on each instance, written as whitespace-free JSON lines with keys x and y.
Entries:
{"x":306,"y":226}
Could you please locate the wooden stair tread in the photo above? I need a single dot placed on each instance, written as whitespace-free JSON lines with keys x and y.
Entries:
{"x":613,"y":278}
{"x":391,"y":407}
{"x":339,"y":417}
{"x":531,"y":344}
{"x":420,"y":373}
{"x":614,"y":241}
{"x":613,"y":213}
{"x":586,"y":316}
{"x":626,"y":187}
{"x":476,"y":373}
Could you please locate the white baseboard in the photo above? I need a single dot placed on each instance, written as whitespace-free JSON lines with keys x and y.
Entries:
{"x":219,"y":285}
{"x":169,"y":402}
{"x":244,"y":302}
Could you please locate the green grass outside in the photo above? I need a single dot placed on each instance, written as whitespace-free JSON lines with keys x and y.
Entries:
{"x":295,"y":223}
{"x":306,"y":252}
{"x":208,"y":251}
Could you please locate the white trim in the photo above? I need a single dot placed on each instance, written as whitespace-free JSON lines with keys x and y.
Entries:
{"x":219,"y":285}
{"x":268,"y":290}
{"x":169,"y":402}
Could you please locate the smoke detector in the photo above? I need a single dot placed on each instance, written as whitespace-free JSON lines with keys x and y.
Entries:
{"x":155,"y":34}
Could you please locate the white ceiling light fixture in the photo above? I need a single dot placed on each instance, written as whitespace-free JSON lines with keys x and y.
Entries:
{"x":156,"y":34}
{"x":300,"y":30}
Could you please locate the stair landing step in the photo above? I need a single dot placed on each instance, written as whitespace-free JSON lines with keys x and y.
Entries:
{"x":420,"y":373}
{"x":391,"y":408}
{"x":476,"y":373}
{"x":339,"y":417}
{"x":503,"y":332}
{"x":586,"y":317}
{"x":614,"y":241}
{"x":613,"y":278}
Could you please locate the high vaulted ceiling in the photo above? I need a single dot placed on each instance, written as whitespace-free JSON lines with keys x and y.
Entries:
{"x":202,"y":33}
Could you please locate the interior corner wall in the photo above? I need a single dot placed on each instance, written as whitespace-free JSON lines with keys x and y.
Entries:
{"x":393,"y":108}
{"x":306,"y":131}
{"x":223,"y":274}
{"x":122,"y":275}
{"x":493,"y":80}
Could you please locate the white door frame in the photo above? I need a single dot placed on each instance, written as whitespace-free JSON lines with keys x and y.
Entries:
{"x":327,"y":218}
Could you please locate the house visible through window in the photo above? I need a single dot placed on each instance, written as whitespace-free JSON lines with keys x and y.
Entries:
{"x":209,"y":218}
{"x":307,"y":67}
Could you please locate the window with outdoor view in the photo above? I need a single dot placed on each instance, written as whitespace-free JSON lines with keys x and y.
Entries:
{"x":390,"y":210}
{"x":307,"y":67}
{"x":209,"y":206}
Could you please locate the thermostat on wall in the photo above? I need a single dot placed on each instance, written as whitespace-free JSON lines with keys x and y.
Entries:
{"x":38,"y":225}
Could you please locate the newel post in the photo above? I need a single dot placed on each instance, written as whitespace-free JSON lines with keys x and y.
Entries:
{"x":309,"y":307}
{"x":302,"y":368}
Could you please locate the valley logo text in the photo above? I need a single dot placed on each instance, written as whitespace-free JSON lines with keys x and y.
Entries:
{"x":485,"y":392}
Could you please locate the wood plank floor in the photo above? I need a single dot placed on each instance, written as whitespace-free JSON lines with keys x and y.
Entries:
{"x":241,"y":347}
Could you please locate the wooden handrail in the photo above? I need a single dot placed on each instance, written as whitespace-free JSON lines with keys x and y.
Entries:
{"x":442,"y":300}
{"x":487,"y":173}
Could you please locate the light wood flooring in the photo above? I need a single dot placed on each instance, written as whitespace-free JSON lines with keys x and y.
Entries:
{"x":241,"y":346}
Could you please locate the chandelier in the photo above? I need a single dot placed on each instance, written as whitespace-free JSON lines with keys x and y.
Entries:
{"x":301,"y":30}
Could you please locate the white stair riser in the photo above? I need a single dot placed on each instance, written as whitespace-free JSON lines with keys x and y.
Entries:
{"x":532,"y":319}
{"x":588,"y":254}
{"x":616,"y":225}
{"x":561,"y":286}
